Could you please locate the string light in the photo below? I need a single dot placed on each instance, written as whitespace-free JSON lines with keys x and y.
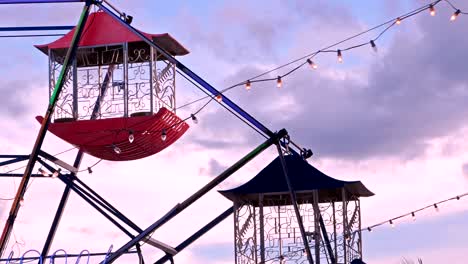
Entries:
{"x":413,"y":213}
{"x":21,"y":202}
{"x":248,"y":85}
{"x":163,"y":135}
{"x":432,"y":10}
{"x":194,"y":118}
{"x":56,"y":173}
{"x":398,"y":21}
{"x":116,"y":149}
{"x":90,"y":171}
{"x":131,"y":137}
{"x":279,"y":82}
{"x":436,"y":207}
{"x":374,"y":47}
{"x":219,"y":98}
{"x":43,"y":172}
{"x":312,"y":64}
{"x":340,"y":57}
{"x":455,"y":15}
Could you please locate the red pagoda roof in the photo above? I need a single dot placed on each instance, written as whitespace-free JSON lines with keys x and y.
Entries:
{"x":101,"y":29}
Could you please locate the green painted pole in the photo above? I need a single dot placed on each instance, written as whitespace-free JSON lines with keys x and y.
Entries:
{"x":43,"y":130}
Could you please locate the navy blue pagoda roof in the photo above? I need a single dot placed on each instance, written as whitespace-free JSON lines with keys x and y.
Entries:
{"x":305,"y":178}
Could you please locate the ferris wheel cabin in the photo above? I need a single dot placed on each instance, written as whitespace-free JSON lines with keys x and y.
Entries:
{"x":118,"y":101}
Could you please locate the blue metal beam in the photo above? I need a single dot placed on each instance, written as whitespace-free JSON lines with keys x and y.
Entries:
{"x":7,"y":2}
{"x":14,"y":160}
{"x":38,"y":28}
{"x":21,"y":175}
{"x":198,"y":234}
{"x":44,"y":126}
{"x":191,"y":74}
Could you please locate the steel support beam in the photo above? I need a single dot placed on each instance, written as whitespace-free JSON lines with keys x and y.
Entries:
{"x":76,"y":165}
{"x":67,"y":180}
{"x":60,"y":209}
{"x":40,"y":28}
{"x":292,"y":193}
{"x":14,"y":160}
{"x":191,"y":74}
{"x":7,"y":2}
{"x":198,"y":234}
{"x":43,"y":130}
{"x":182,"y":206}
{"x":17,"y":175}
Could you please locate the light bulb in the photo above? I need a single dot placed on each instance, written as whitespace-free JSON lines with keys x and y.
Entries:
{"x":131,"y":136}
{"x":163,"y":135}
{"x":312,"y":64}
{"x":43,"y":172}
{"x":279,"y":82}
{"x":219,"y":98}
{"x":340,"y":57}
{"x":369,"y":229}
{"x":455,"y":15}
{"x":374,"y":47}
{"x":21,"y":202}
{"x":432,"y":10}
{"x":398,"y":21}
{"x":56,"y":173}
{"x":414,"y":216}
{"x":194,"y":118}
{"x":90,"y":171}
{"x":248,"y":85}
{"x":458,"y":197}
{"x":436,"y":208}
{"x":116,"y":149}
{"x":391,"y":223}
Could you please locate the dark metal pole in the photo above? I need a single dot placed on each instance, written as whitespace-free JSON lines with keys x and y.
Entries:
{"x":43,"y":130}
{"x":198,"y":234}
{"x":108,"y":206}
{"x":79,"y":157}
{"x":60,"y":209}
{"x":180,"y":207}
{"x":66,"y":179}
{"x":294,"y":203}
{"x":327,"y":240}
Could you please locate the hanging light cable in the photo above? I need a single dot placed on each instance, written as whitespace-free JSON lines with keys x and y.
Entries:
{"x":340,"y":57}
{"x":374,"y":47}
{"x":432,"y":10}
{"x":279,"y":82}
{"x":116,"y":149}
{"x":312,"y":64}
{"x":248,"y":85}
{"x":131,"y":136}
{"x":194,"y":118}
{"x":455,"y":15}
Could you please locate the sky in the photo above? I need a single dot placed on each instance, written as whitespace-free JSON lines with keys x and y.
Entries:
{"x":395,"y":120}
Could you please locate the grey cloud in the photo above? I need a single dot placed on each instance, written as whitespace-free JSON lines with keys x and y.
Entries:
{"x":464,"y":169}
{"x":416,"y":92}
{"x":213,"y":169}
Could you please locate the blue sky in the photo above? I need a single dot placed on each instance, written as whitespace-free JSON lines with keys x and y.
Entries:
{"x":394,"y":120}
